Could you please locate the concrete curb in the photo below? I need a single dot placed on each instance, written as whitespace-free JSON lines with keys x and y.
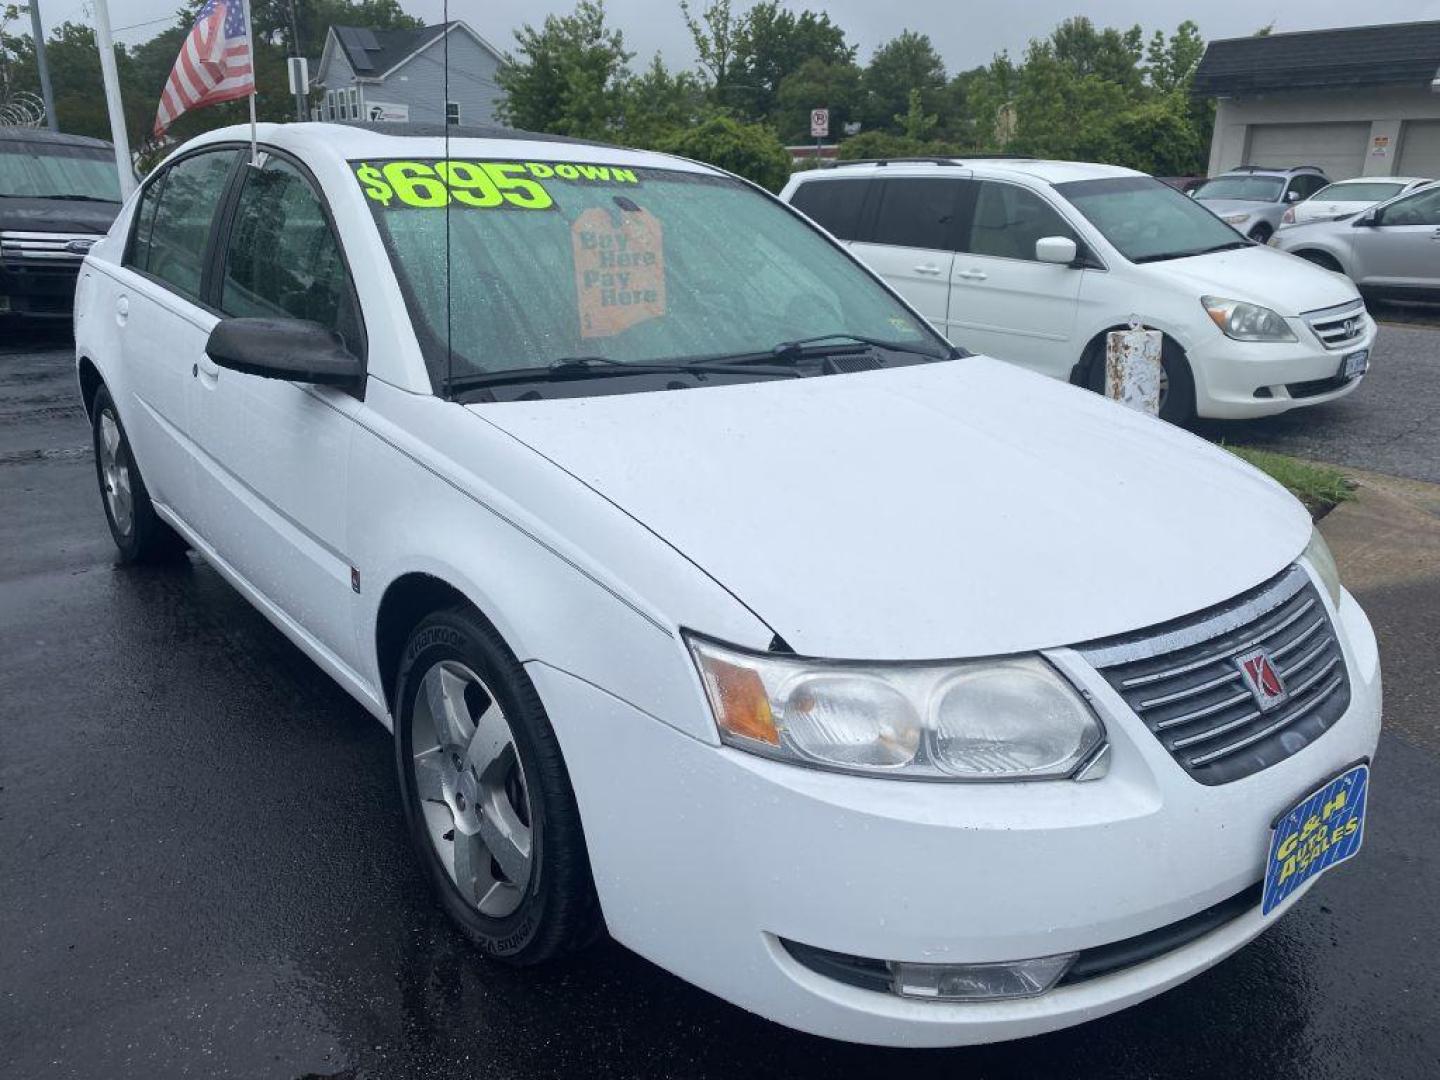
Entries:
{"x":1388,"y":535}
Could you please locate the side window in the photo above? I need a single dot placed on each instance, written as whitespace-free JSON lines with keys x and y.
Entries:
{"x":918,"y":212}
{"x":1009,"y":219}
{"x":138,"y":254}
{"x":283,"y":260}
{"x":834,"y":205}
{"x":171,"y":245}
{"x":1419,"y":209}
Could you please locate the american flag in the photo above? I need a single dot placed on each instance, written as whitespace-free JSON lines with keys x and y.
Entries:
{"x":214,"y":65}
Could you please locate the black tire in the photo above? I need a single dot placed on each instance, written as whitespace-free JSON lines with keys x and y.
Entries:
{"x":1261,"y":234}
{"x":557,"y":911}
{"x":140,"y":535}
{"x":1177,"y":404}
{"x":1323,"y":260}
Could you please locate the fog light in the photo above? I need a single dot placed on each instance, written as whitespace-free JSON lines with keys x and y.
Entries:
{"x":979,"y":982}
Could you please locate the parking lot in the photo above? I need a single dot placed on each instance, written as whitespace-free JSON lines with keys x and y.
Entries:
{"x":204,"y":871}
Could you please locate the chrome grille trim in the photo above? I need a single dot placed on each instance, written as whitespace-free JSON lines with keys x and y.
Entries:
{"x":1329,"y":324}
{"x":47,"y":247}
{"x":1181,"y":679}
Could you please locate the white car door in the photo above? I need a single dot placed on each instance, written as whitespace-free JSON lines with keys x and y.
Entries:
{"x":1003,"y":301}
{"x":910,"y":241}
{"x":1403,"y":249}
{"x":162,"y":325}
{"x":273,"y":477}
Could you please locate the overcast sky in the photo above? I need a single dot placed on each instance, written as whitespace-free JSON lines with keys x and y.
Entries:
{"x":966,"y":33}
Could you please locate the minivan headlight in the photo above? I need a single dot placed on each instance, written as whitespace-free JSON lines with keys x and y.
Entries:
{"x":1234,"y":219}
{"x":1011,"y":718}
{"x":1247,"y":322}
{"x":1317,"y":554}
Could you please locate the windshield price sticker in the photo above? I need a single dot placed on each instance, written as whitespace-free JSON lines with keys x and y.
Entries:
{"x":481,"y":185}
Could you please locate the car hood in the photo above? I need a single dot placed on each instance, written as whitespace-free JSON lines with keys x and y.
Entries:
{"x":942,"y":510}
{"x":1221,"y":207}
{"x":57,"y":215}
{"x":1258,"y":275}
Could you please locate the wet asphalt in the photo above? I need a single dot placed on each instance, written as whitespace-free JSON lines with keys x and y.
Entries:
{"x":203,"y":872}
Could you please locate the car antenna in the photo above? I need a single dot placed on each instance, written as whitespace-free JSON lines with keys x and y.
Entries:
{"x":445,"y":119}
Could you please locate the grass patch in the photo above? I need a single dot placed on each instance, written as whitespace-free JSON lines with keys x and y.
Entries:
{"x":1320,"y":487}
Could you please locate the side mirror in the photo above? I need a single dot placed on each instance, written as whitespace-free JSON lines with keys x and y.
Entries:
{"x":1292,"y":196}
{"x":290,"y":349}
{"x":1056,"y":249}
{"x":1368,"y":219}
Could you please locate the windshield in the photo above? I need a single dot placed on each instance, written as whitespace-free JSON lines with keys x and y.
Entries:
{"x":548,"y":262}
{"x":1243,"y":188}
{"x":44,"y":171}
{"x":1146,"y":220}
{"x":1361,"y":193}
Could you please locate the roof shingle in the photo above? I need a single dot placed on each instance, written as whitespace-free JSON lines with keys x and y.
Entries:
{"x":1396,"y":54}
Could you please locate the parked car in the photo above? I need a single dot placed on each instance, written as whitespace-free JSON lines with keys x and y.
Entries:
{"x":58,"y":196}
{"x":1348,"y":197}
{"x":1253,"y":199}
{"x":678,"y":627}
{"x":1036,"y":261}
{"x":1391,"y":251}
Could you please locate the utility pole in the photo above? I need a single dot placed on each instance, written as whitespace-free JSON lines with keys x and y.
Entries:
{"x":38,"y":36}
{"x":301,"y":92}
{"x":118,"y":135}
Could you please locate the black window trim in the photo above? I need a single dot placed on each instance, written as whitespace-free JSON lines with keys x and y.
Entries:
{"x":160,"y":176}
{"x":225,"y":222}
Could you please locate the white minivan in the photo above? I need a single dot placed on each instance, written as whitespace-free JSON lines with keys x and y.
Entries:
{"x":1034,"y":262}
{"x":897,"y":695}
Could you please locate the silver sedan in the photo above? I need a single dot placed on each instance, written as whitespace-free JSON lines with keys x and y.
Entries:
{"x":1390,"y":251}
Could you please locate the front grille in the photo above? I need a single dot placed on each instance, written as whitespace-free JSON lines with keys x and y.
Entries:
{"x":44,"y":248}
{"x":1183,"y":679}
{"x":1341,"y":326}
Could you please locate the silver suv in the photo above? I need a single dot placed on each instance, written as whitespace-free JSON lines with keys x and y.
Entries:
{"x":1253,"y":198}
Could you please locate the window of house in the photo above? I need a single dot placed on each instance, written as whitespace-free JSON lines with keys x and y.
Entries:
{"x":452,"y":112}
{"x":354,"y":93}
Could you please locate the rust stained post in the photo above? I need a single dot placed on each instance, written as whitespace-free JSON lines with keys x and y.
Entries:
{"x":1133,"y":367}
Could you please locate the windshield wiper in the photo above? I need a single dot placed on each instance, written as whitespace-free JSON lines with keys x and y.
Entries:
{"x":589,"y":367}
{"x":1163,"y":256}
{"x":800,"y":346}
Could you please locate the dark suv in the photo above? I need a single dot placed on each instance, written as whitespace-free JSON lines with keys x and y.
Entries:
{"x":58,"y":195}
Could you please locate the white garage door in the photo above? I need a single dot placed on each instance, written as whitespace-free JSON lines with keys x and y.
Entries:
{"x":1420,"y":149}
{"x":1339,"y":149}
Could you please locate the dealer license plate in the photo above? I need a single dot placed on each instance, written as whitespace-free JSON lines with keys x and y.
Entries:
{"x":1320,"y":831}
{"x":1356,"y":364}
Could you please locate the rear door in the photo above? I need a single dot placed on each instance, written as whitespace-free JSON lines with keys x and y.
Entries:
{"x":910,"y":240}
{"x":162,"y":323}
{"x":273,"y":481}
{"x":1005,"y":302}
{"x":1403,"y":250}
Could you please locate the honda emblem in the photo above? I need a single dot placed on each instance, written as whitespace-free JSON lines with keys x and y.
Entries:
{"x":1262,"y":679}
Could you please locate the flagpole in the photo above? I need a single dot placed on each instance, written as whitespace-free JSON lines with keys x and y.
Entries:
{"x":118,"y":136}
{"x":254,"y":60}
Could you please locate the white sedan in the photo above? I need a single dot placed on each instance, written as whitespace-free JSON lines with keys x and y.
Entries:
{"x":714,"y":601}
{"x":1346,"y":197}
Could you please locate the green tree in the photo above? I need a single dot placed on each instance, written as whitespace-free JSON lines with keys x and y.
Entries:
{"x":657,"y":101}
{"x":1170,"y":65}
{"x":817,"y":85}
{"x":569,"y":77}
{"x":775,"y":43}
{"x":905,"y":63}
{"x":749,"y":150}
{"x":716,"y":32}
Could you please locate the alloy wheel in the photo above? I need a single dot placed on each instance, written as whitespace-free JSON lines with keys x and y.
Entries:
{"x":472,"y":788}
{"x":115,"y":471}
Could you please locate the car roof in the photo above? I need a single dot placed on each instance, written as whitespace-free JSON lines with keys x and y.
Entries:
{"x":1267,"y":170}
{"x":360,"y":141}
{"x":50,"y":138}
{"x":1383,"y":180}
{"x":1051,"y":172}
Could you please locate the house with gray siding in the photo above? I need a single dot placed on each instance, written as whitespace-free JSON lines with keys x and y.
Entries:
{"x":399,"y":75}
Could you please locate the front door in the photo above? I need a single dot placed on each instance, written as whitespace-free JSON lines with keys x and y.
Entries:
{"x":1004,"y":302}
{"x":1403,"y":250}
{"x":162,"y":325}
{"x":273,"y":479}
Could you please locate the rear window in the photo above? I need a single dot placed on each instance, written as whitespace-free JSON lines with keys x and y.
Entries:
{"x":918,"y":213}
{"x":834,"y":205}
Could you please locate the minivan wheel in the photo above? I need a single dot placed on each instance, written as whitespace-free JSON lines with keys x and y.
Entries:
{"x":486,"y":796}
{"x":138,"y":532}
{"x":1177,"y":384}
{"x":1261,"y":234}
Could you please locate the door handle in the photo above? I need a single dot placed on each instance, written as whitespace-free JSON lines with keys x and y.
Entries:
{"x":122,"y":309}
{"x":208,"y":369}
{"x":928,"y":268}
{"x":972,"y":275}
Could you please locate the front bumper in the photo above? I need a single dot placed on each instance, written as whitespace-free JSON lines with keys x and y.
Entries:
{"x":705,"y":857}
{"x":1235,"y":380}
{"x":37,"y":292}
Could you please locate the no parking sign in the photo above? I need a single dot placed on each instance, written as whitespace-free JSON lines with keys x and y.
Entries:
{"x":819,"y":123}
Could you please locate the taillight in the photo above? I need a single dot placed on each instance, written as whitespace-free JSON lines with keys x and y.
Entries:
{"x":1288,"y":218}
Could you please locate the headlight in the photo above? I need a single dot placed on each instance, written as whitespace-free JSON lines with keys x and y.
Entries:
{"x":1235,"y":219}
{"x":1317,"y":554}
{"x":1247,"y":322}
{"x":1014,"y":718}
